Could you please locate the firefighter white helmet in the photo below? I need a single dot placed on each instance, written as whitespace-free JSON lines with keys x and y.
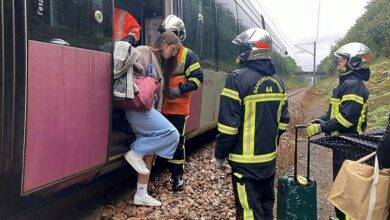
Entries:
{"x":254,"y":43}
{"x":174,"y":24}
{"x":357,"y":54}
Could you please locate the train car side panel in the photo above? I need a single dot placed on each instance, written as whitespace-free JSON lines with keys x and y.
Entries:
{"x":67,"y":127}
{"x":193,"y":121}
{"x":209,"y":92}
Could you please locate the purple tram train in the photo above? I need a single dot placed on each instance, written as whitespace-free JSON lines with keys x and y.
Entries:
{"x":55,"y":84}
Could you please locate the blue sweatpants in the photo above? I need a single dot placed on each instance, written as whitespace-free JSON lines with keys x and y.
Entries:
{"x":154,"y":133}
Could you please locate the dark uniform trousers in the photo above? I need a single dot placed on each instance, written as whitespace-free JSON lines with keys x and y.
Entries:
{"x":176,"y":165}
{"x":254,"y":199}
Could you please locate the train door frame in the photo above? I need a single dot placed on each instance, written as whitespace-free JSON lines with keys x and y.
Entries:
{"x":164,"y":8}
{"x":13,"y":36}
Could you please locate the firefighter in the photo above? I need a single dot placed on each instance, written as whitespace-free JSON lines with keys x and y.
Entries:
{"x":176,"y":108}
{"x":125,"y":25}
{"x":347,"y":111}
{"x":253,"y":114}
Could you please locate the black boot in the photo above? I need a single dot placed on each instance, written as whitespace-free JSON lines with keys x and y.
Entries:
{"x":177,"y":183}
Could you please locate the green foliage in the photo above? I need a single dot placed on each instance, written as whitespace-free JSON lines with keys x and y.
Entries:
{"x":378,"y":117}
{"x":292,"y":66}
{"x":372,"y":29}
{"x":379,"y":100}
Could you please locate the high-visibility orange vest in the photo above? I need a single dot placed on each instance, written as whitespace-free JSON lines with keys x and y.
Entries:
{"x":125,"y":24}
{"x":181,"y":104}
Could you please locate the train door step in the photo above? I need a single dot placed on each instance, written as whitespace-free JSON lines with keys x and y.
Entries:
{"x":120,"y":142}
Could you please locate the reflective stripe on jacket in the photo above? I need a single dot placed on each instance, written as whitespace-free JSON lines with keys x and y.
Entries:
{"x":253,"y":109}
{"x":125,"y":24}
{"x":188,"y":76}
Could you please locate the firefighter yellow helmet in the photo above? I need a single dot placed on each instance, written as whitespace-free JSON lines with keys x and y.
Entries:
{"x":174,"y":24}
{"x":254,"y":43}
{"x":357,"y":54}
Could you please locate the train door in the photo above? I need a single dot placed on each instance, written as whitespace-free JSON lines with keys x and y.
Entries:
{"x":68,"y":89}
{"x":149,"y":14}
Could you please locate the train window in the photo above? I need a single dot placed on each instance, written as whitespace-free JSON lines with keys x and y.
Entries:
{"x":227,"y":31}
{"x":244,"y":21}
{"x":200,"y":34}
{"x":134,"y":8}
{"x":148,"y":13}
{"x":208,"y":42}
{"x":78,"y":23}
{"x":153,"y":15}
{"x":191,"y":9}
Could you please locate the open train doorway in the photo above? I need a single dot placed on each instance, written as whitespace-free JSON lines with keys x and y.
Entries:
{"x":149,"y":15}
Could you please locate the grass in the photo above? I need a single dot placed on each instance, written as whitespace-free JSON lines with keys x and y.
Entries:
{"x":379,"y":87}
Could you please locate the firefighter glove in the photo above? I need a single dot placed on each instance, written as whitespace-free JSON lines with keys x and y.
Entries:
{"x":316,"y":121}
{"x":174,"y":92}
{"x":313,"y":129}
{"x":219,"y":164}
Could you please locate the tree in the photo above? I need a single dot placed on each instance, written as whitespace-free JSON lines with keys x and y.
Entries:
{"x":372,"y":29}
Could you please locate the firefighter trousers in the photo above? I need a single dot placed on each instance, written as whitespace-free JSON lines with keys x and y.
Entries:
{"x":254,"y":199}
{"x":176,"y":165}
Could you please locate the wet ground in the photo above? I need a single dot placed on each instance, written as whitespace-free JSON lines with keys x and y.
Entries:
{"x":208,"y":193}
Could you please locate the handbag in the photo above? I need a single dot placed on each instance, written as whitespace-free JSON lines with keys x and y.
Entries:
{"x":147,"y":88}
{"x":361,"y":191}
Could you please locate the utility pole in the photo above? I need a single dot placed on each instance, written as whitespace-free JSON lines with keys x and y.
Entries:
{"x":314,"y":63}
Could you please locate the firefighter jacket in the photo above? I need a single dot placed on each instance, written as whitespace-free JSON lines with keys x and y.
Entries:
{"x":347,"y":111}
{"x":125,"y":24}
{"x":188,"y":76}
{"x":253,"y":111}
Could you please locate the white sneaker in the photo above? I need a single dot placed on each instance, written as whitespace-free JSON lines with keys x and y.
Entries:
{"x":137,"y":163}
{"x":146,"y":200}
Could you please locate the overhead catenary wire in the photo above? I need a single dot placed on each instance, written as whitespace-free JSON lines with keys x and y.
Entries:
{"x":286,"y":40}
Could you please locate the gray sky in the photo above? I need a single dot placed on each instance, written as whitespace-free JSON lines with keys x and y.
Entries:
{"x":297,"y":20}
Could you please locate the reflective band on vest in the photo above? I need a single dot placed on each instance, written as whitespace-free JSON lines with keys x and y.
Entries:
{"x":335,"y":111}
{"x":227,"y":129}
{"x":250,"y":121}
{"x":252,"y":159}
{"x":352,"y":97}
{"x":182,"y":55}
{"x":243,"y":198}
{"x":195,"y":80}
{"x":120,"y":24}
{"x":192,"y":68}
{"x":231,"y":94}
{"x":282,"y":126}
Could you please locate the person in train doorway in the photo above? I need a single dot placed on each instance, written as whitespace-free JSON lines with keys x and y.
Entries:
{"x":253,"y":114}
{"x":155,"y":135}
{"x":347,"y":111}
{"x":126,"y":27}
{"x":187,"y":77}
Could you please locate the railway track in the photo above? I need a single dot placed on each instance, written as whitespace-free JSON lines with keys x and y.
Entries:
{"x":79,"y":200}
{"x":296,"y":91}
